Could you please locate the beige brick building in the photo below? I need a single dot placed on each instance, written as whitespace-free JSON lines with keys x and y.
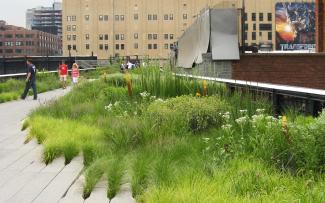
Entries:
{"x":150,"y":27}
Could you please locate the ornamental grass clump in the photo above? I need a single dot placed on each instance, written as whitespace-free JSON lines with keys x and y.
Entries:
{"x":187,"y":113}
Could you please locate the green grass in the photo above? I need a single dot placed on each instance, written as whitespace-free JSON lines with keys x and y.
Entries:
{"x":173,"y":146}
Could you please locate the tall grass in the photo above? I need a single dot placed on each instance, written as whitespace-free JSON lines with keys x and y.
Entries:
{"x":175,"y":145}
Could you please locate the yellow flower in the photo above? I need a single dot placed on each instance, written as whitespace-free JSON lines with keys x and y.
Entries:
{"x":198,"y":94}
{"x":284,"y":122}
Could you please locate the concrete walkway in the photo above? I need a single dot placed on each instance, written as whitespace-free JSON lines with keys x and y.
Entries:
{"x":23,"y":175}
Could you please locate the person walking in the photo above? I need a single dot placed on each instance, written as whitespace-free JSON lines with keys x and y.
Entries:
{"x":75,"y":73}
{"x":30,"y":80}
{"x":63,"y":74}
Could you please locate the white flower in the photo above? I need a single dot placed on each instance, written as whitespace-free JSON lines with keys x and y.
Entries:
{"x":153,"y":97}
{"x":159,"y":100}
{"x":241,"y":120}
{"x":117,"y":103}
{"x":226,"y":127}
{"x":243,"y":111}
{"x":135,"y":113}
{"x":109,"y":107}
{"x":260,"y":111}
{"x":145,"y":94}
{"x":226,"y":116}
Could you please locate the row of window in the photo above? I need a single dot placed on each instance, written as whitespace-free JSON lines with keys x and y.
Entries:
{"x":260,"y":15}
{"x":122,"y":17}
{"x":122,"y":37}
{"x":17,"y":36}
{"x":269,"y":35}
{"x":262,"y":26}
{"x":18,"y":43}
{"x":122,"y":46}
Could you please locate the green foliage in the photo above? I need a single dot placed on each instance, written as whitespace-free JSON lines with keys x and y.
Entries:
{"x":175,"y":147}
{"x":188,"y":113}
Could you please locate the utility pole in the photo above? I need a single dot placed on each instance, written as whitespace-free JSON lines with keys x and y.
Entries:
{"x":243,"y":26}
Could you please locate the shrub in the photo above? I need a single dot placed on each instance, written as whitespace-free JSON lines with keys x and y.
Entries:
{"x":187,"y":113}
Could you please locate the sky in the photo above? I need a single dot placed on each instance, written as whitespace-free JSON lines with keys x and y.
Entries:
{"x":13,"y":11}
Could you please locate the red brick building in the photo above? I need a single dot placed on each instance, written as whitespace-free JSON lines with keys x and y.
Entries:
{"x":18,"y":41}
{"x":320,"y":21}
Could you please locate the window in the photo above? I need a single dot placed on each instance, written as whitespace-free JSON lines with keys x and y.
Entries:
{"x":155,"y":46}
{"x":149,"y":46}
{"x":106,"y":46}
{"x":101,"y":46}
{"x":149,"y":17}
{"x":74,"y":37}
{"x":69,"y":47}
{"x":184,"y":16}
{"x":68,"y":37}
{"x":171,"y":36}
{"x":245,"y":16}
{"x":269,"y":16}
{"x":246,"y":27}
{"x":69,"y":27}
{"x":19,"y":36}
{"x":261,"y":34}
{"x":73,"y":18}
{"x":166,"y":46}
{"x":171,"y":46}
{"x":254,"y":26}
{"x":136,"y":36}
{"x":155,"y":36}
{"x":261,"y":17}
{"x":8,"y":51}
{"x":149,"y":36}
{"x":136,"y":16}
{"x":101,"y":37}
{"x":0,"y":44}
{"x":8,"y":36}
{"x":165,"y":36}
{"x":154,"y":17}
{"x":117,"y":37}
{"x":74,"y":27}
{"x":68,"y":18}
{"x":101,"y":18}
{"x":122,"y":46}
{"x":171,"y":17}
{"x":87,"y":46}
{"x":269,"y":35}
{"x":117,"y":46}
{"x":87,"y":17}
{"x":253,"y":16}
{"x":122,"y":36}
{"x":166,"y":17}
{"x":253,"y":35}
{"x":106,"y":37}
{"x":245,"y":36}
{"x":74,"y":47}
{"x":117,"y":17}
{"x":87,"y":36}
{"x":122,"y":17}
{"x":105,"y":17}
{"x":136,"y":45}
{"x":265,"y":27}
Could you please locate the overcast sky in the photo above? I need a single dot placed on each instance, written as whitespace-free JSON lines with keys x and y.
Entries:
{"x":13,"y":11}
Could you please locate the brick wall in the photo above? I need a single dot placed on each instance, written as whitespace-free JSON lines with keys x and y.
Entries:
{"x":304,"y":70}
{"x":320,"y":22}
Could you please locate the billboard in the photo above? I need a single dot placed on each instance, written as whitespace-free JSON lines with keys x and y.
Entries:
{"x":295,"y":25}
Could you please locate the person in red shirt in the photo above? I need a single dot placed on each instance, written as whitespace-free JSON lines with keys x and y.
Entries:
{"x":63,"y":73}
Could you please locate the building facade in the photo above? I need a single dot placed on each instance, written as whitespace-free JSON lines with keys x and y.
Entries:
{"x":320,"y":37}
{"x":18,"y":41}
{"x":46,"y":19}
{"x":150,"y":27}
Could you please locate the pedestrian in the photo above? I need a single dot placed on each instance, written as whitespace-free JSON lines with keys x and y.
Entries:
{"x":63,"y":74}
{"x":30,"y":80}
{"x":75,"y":73}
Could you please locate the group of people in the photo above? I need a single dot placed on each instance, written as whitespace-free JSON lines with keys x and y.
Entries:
{"x":128,"y":66}
{"x":63,"y":75}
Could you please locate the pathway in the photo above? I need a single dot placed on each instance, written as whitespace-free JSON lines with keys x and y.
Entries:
{"x":23,"y":175}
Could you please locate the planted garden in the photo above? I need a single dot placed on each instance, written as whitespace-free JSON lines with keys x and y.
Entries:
{"x":181,"y":140}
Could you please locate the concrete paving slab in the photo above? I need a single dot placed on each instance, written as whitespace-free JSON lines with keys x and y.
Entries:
{"x":99,"y":194}
{"x":75,"y":192}
{"x":61,"y":183}
{"x":124,"y":195}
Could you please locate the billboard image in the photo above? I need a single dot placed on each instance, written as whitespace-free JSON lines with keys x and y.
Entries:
{"x":295,"y":26}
